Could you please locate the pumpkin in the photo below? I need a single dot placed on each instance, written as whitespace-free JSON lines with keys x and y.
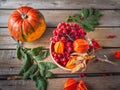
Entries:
{"x":26,"y":24}
{"x":59,"y":47}
{"x":80,"y":45}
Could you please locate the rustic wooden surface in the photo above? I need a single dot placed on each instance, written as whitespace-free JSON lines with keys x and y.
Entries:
{"x":56,"y":11}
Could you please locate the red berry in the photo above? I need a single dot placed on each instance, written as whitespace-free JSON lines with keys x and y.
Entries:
{"x":64,"y":63}
{"x":76,"y":25}
{"x":60,"y":24}
{"x":73,"y":31}
{"x":69,"y":49}
{"x":63,"y":39}
{"x":54,"y":33}
{"x":57,"y":60}
{"x":64,"y":31}
{"x":59,"y":56}
{"x":64,"y":59}
{"x":76,"y":37}
{"x":68,"y":44}
{"x":68,"y":28}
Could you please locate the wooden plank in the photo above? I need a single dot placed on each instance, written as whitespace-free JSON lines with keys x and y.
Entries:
{"x":53,"y":17}
{"x":61,"y":4}
{"x":100,"y":34}
{"x":96,"y":83}
{"x":10,"y":65}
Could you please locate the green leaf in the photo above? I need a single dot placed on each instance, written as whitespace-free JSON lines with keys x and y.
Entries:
{"x":68,"y":19}
{"x":41,"y":83}
{"x":84,"y":12}
{"x":90,"y":12}
{"x":18,"y":54}
{"x":35,"y":75}
{"x":42,"y":55}
{"x":89,"y":19}
{"x":47,"y":65}
{"x":36,"y":51}
{"x":48,"y":74}
{"x":87,"y":27}
{"x":23,"y":54}
{"x":76,"y":17}
{"x":27,"y":64}
{"x":30,"y":71}
{"x":94,"y":23}
{"x":97,"y":13}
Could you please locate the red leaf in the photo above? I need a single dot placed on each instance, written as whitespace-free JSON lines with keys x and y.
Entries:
{"x":96,"y":45}
{"x":111,"y":36}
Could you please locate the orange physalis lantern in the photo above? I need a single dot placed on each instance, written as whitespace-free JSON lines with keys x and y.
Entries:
{"x":70,"y":84}
{"x":59,"y":47}
{"x":80,"y":45}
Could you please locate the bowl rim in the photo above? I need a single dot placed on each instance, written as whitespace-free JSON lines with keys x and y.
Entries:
{"x":56,"y":62}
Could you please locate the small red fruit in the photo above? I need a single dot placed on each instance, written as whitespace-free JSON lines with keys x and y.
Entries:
{"x":117,"y":54}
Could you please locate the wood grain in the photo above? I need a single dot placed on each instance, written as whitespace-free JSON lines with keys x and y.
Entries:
{"x":96,"y":83}
{"x":100,"y":34}
{"x":9,"y":64}
{"x":61,"y":4}
{"x":53,"y":17}
{"x":54,"y":12}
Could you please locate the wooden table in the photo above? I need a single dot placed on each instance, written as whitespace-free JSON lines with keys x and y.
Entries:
{"x":56,"y":11}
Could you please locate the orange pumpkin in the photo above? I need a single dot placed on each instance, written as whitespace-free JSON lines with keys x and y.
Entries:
{"x":26,"y":24}
{"x":80,"y":45}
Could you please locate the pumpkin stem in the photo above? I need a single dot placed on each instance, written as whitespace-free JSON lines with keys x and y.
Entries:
{"x":24,"y":16}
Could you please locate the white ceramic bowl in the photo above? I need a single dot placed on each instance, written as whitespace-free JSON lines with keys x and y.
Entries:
{"x":62,"y":67}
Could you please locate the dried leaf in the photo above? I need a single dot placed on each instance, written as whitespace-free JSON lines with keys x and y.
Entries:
{"x":76,"y":68}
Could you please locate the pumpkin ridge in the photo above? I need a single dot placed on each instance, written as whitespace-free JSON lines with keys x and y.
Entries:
{"x":13,"y":25}
{"x":24,"y":37}
{"x":23,"y":32}
{"x":31,"y":27}
{"x":28,"y":10}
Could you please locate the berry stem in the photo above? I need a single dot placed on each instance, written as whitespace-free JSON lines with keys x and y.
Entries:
{"x":69,"y":37}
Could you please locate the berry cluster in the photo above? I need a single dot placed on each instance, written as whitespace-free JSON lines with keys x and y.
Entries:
{"x":66,"y":33}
